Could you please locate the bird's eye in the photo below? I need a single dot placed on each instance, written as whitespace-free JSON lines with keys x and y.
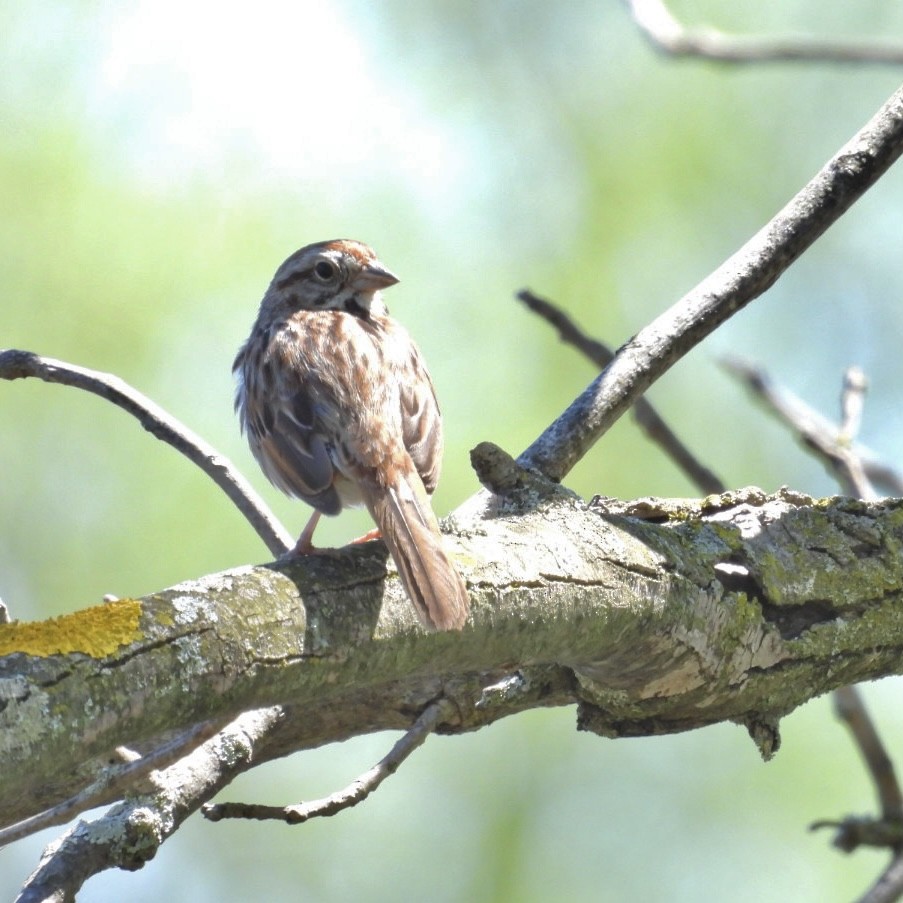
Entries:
{"x":324,"y":270}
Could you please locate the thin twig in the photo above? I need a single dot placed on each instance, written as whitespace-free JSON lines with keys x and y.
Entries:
{"x":130,"y":833}
{"x":817,"y":433}
{"x":881,"y":474}
{"x":111,"y":785}
{"x":16,"y":364}
{"x":886,"y":831}
{"x":669,"y":35}
{"x":850,"y":709}
{"x":357,"y":791}
{"x":743,"y":277}
{"x":852,"y":403}
{"x":644,"y":413}
{"x":834,"y":446}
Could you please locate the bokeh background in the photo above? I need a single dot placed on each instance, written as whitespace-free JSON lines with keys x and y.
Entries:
{"x":159,"y":159}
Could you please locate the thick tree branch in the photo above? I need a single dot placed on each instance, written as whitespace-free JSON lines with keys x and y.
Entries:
{"x":739,"y":280}
{"x":738,"y":609}
{"x":16,"y":364}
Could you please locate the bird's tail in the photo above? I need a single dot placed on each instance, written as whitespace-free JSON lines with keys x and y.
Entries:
{"x":410,"y":530}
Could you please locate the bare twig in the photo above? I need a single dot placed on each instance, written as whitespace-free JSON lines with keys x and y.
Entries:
{"x":357,"y":791}
{"x":16,"y":364}
{"x":834,"y":445}
{"x":881,"y":474}
{"x":744,"y":276}
{"x":669,"y":35}
{"x":130,"y":833}
{"x":111,"y":785}
{"x":827,"y":441}
{"x":852,"y":401}
{"x":850,"y":709}
{"x":644,"y":413}
{"x":886,"y":831}
{"x":862,"y":831}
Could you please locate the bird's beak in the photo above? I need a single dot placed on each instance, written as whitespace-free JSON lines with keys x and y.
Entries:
{"x":374,"y":277}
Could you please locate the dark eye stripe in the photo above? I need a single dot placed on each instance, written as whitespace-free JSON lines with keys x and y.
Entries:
{"x":286,"y":282}
{"x":309,"y":281}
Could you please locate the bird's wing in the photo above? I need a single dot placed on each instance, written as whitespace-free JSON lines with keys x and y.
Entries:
{"x":422,"y":425}
{"x":281,"y":422}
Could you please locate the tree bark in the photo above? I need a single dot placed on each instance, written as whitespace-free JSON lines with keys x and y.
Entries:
{"x":653,"y":616}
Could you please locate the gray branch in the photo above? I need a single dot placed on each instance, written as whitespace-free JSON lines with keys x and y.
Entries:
{"x":130,"y":834}
{"x":670,"y":36}
{"x":740,"y":279}
{"x":739,"y":609}
{"x":15,"y":364}
{"x":356,"y":792}
{"x":647,"y":417}
{"x":855,"y":466}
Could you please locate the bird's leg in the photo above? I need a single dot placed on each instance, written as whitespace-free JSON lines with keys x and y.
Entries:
{"x":367,"y":537}
{"x":304,"y":545}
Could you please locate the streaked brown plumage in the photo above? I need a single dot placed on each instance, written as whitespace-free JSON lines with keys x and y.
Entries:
{"x":339,"y":410}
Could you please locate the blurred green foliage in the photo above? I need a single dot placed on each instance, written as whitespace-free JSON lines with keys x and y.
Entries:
{"x":145,"y":200}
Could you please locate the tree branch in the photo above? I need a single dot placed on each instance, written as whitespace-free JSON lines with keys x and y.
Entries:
{"x":781,"y":593}
{"x":123,"y":772}
{"x":16,"y":364}
{"x":356,"y":792}
{"x":130,"y":834}
{"x":668,"y":34}
{"x":743,"y":277}
{"x":647,"y":418}
{"x":833,"y":445}
{"x":889,"y":887}
{"x":849,"y":707}
{"x":854,"y":466}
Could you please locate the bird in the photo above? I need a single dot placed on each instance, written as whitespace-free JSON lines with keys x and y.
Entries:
{"x":339,"y":410}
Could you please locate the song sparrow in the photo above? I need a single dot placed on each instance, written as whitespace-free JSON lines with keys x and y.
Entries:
{"x":339,"y":410}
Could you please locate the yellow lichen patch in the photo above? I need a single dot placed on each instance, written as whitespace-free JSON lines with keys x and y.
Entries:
{"x":97,"y":631}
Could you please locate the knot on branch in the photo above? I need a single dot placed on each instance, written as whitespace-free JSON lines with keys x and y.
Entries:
{"x":16,"y":364}
{"x":503,"y":476}
{"x":862,"y":831}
